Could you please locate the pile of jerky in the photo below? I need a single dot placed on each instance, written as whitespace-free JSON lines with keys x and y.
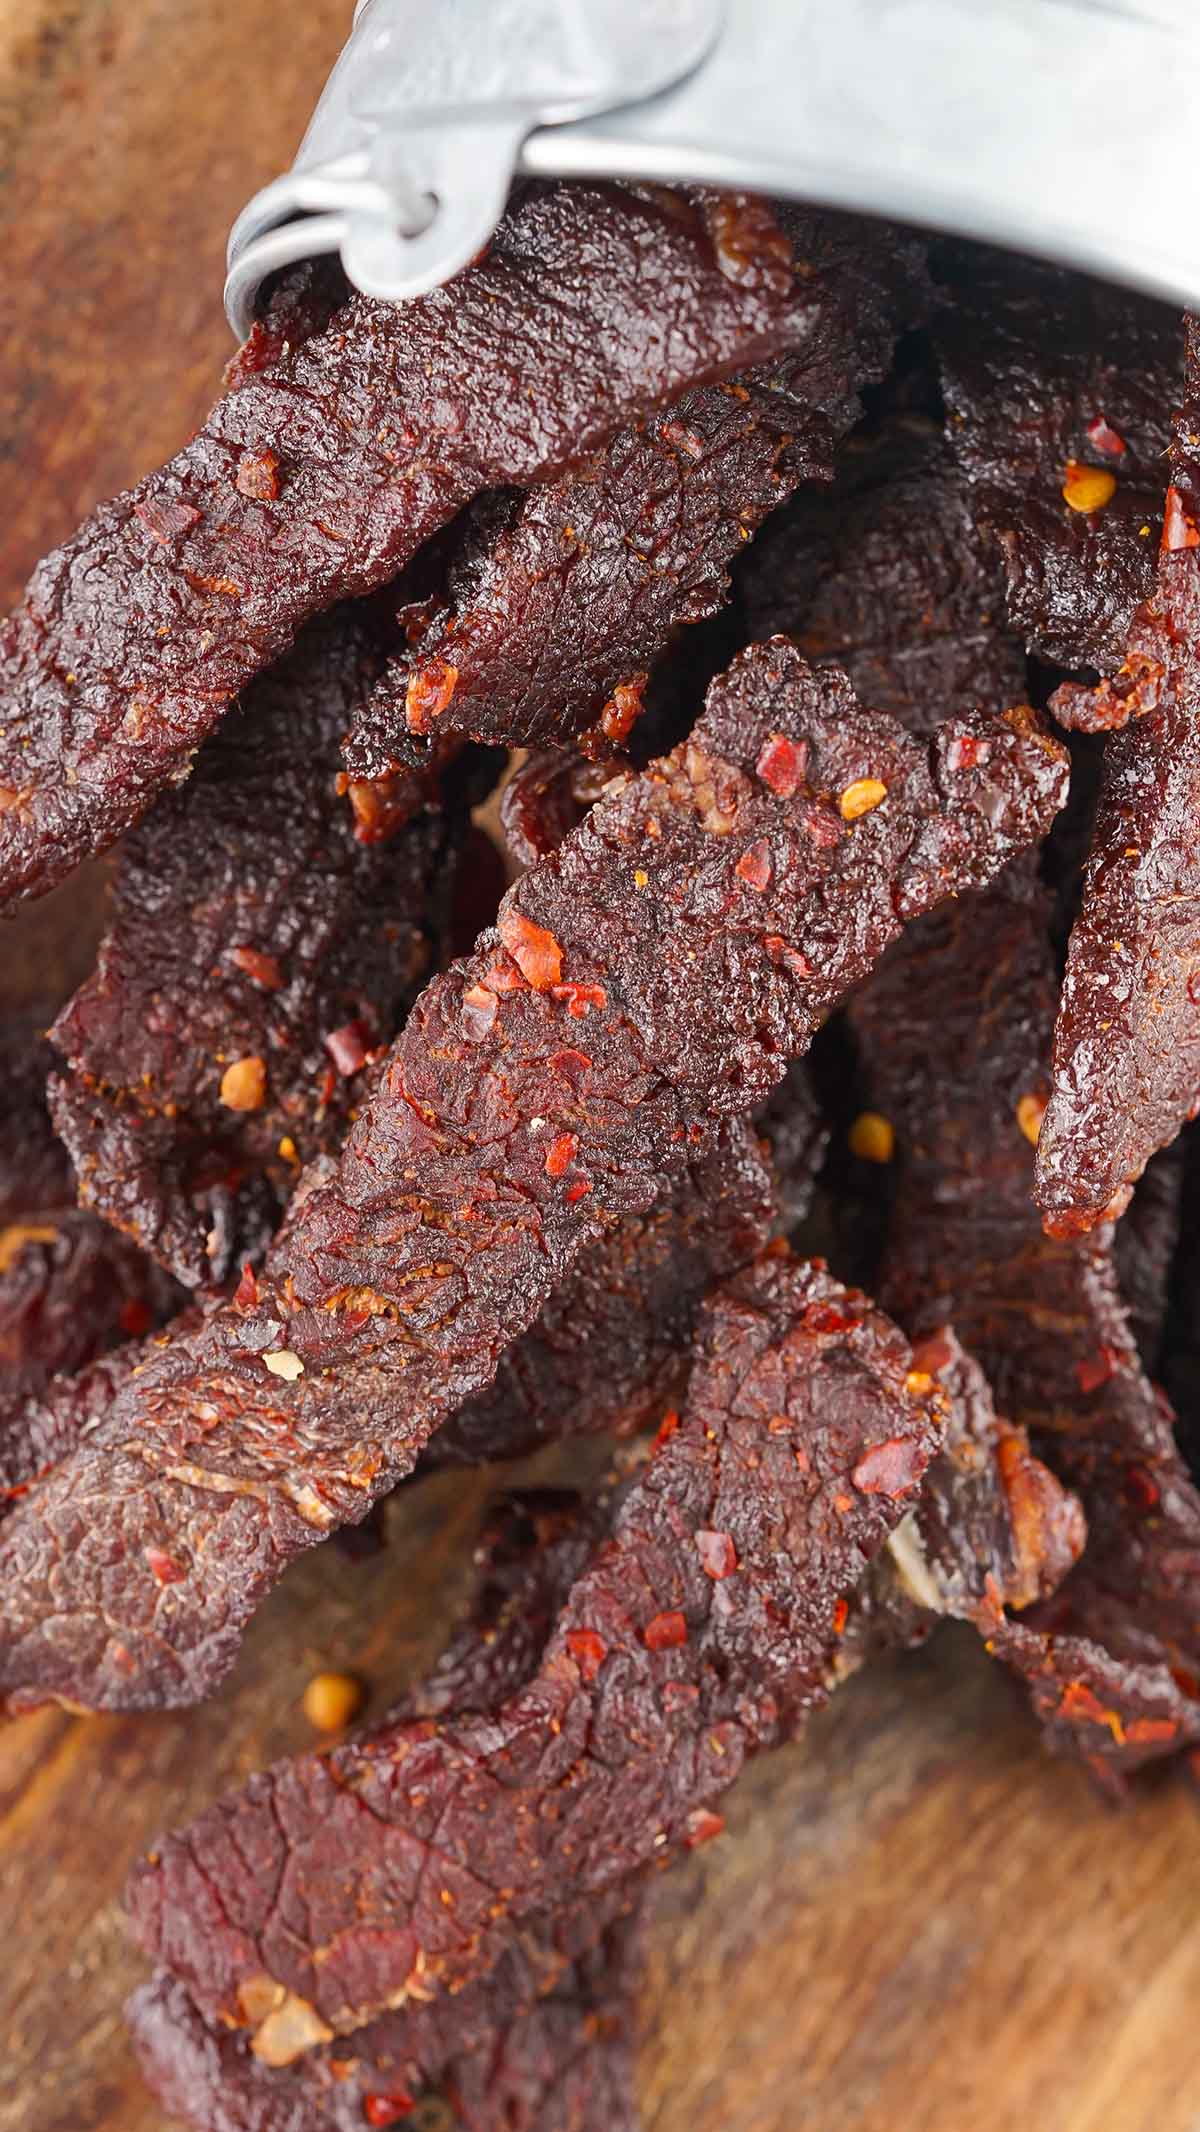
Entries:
{"x":840,"y":595}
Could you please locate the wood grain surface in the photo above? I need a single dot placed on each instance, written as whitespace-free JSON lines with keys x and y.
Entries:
{"x":916,"y":1923}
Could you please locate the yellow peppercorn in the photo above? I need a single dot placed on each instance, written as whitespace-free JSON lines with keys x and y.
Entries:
{"x":1088,"y":488}
{"x":872,"y":1137}
{"x":244,"y":1085}
{"x":861,"y":797}
{"x":331,"y":1700}
{"x":1030,"y":1112}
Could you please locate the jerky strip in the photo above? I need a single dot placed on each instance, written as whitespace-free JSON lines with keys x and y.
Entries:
{"x":651,"y":977}
{"x":1055,"y":383}
{"x":257,"y":956}
{"x":956,"y":1027}
{"x":557,"y":2002}
{"x":1144,"y":1245}
{"x":318,"y":479}
{"x":703,"y":1630}
{"x":558,"y":605}
{"x":1126,"y":1069}
{"x":610,"y":1349}
{"x":888,"y":577}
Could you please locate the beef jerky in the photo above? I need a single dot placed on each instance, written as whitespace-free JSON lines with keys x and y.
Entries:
{"x":561,"y":2063}
{"x":1144,"y":1244}
{"x":991,"y":1530}
{"x":610,"y":1349}
{"x":319,"y":478}
{"x":703,"y":1630}
{"x":559,"y":603}
{"x":1126,"y":1069}
{"x":957,"y":1028}
{"x":556,"y":2006}
{"x":69,"y":1289}
{"x":888,"y":577}
{"x":1055,"y":383}
{"x":257,"y":957}
{"x":651,"y":977}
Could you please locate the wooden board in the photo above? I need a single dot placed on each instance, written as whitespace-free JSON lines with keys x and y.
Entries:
{"x":915,"y":1919}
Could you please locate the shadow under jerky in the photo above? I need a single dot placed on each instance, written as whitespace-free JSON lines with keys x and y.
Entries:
{"x":257,"y":957}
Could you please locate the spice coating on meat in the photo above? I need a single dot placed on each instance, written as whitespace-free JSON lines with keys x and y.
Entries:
{"x":257,"y":955}
{"x":610,"y":1349}
{"x":1043,"y":1315}
{"x":703,"y":1630}
{"x":652,"y":976}
{"x":1126,"y":1069}
{"x":519,"y":2016}
{"x":557,"y":607}
{"x":319,"y":478}
{"x":1059,"y":395}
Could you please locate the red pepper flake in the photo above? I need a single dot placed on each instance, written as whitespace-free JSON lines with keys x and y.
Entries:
{"x":666,"y":1429}
{"x":536,"y":952}
{"x":718,"y":1555}
{"x":890,"y":1468}
{"x":135,"y":1318}
{"x":781,"y":764}
{"x":1147,"y":1731}
{"x":245,"y":1295}
{"x":841,"y":1615}
{"x":504,"y":977}
{"x":754,"y":865}
{"x":1095,"y":1370}
{"x":1104,"y":438}
{"x":701,"y":1827}
{"x":623,"y":709}
{"x":964,"y":751}
{"x":1180,"y":530}
{"x":479,"y":1010}
{"x":429,"y":692}
{"x":1141,"y":1488}
{"x":561,"y":1154}
{"x":388,"y":2109}
{"x":827,"y":1318}
{"x":264,"y":969}
{"x":581,"y":999}
{"x":164,"y":1568}
{"x":165,"y":520}
{"x":789,"y":958}
{"x":258,"y":476}
{"x":577,"y":1191}
{"x":347,"y":1047}
{"x":588,"y":1650}
{"x":572,"y":1065}
{"x":666,"y":1632}
{"x":1079,"y":1702}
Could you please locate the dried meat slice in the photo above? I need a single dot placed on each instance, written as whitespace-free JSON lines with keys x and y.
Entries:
{"x":1126,"y":1068}
{"x":550,"y":2024}
{"x":318,"y":479}
{"x":1144,"y":1247}
{"x":257,"y":956}
{"x":651,"y":977}
{"x":1059,"y":394}
{"x":888,"y":577}
{"x":610,"y":1349}
{"x":559,"y":603}
{"x":703,"y":1630}
{"x":956,"y":1026}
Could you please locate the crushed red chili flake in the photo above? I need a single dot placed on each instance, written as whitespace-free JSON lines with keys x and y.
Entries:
{"x":717,"y":1553}
{"x":891,"y":1468}
{"x":588,"y":1650}
{"x":561,"y":1154}
{"x":754,"y":866}
{"x":429,"y":692}
{"x":535,"y":951}
{"x":781,"y":765}
{"x":1104,"y":438}
{"x":1180,"y":530}
{"x":347,"y":1047}
{"x":580,"y":999}
{"x":164,"y":1567}
{"x":387,"y":2109}
{"x":703,"y":1826}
